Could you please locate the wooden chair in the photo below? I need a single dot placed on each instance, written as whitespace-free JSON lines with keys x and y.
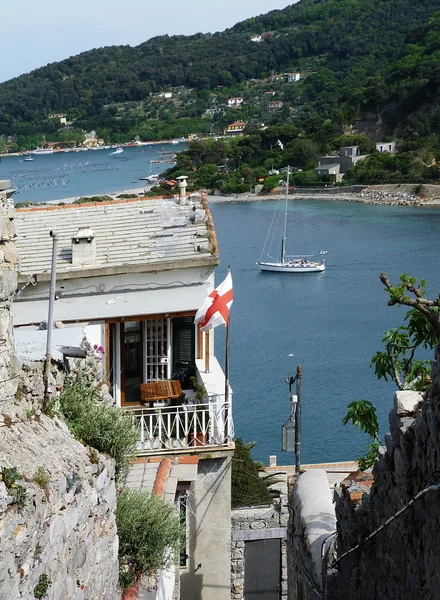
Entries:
{"x":155,"y":391}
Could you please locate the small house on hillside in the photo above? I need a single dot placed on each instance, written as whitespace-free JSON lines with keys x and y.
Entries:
{"x":235,"y":128}
{"x":386,"y":147}
{"x":275,"y":105}
{"x":293,"y":77}
{"x":131,"y":275}
{"x":60,"y":116}
{"x":334,"y":166}
{"x":234,"y":102}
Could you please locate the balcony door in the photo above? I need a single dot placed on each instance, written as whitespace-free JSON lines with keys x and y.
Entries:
{"x":132,"y":361}
{"x":151,"y":350}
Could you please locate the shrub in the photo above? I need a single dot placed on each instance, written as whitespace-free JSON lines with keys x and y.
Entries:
{"x":106,"y":428}
{"x":149,"y":533}
{"x":41,"y":478}
{"x":109,"y":429}
{"x":249,"y":488}
{"x":40,"y":590}
{"x":86,"y":199}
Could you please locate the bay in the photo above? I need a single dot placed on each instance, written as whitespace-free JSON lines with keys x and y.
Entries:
{"x":332,"y":322}
{"x":85,"y":173}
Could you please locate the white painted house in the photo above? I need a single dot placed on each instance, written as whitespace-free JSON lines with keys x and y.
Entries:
{"x":234,"y":102}
{"x":131,"y":275}
{"x":293,"y":77}
{"x":386,"y":147}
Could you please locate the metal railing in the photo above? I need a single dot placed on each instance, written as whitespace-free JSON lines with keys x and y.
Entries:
{"x":186,"y":426}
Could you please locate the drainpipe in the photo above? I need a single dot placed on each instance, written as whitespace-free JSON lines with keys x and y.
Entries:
{"x":53,"y":280}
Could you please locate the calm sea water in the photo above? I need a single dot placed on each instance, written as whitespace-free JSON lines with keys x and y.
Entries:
{"x":70,"y":174}
{"x":331,"y":322}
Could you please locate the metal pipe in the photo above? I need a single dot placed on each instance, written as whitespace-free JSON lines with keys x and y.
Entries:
{"x":53,"y":280}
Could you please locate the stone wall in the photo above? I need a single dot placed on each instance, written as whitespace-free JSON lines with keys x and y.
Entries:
{"x":402,"y":559}
{"x":250,"y":524}
{"x":57,"y":524}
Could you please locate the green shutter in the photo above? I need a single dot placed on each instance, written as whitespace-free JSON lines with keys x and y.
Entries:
{"x":184,"y":357}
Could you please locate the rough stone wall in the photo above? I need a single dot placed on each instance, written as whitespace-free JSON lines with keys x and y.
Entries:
{"x":402,"y":560}
{"x":257,"y":524}
{"x":57,"y":529}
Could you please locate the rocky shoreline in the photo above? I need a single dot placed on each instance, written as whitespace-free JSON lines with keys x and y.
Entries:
{"x":386,"y":195}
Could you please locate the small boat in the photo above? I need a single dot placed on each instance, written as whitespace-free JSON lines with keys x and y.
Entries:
{"x":286,"y":263}
{"x":118,"y":150}
{"x":28,"y":158}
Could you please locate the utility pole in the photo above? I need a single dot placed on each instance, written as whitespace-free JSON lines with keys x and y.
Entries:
{"x":53,"y":280}
{"x":291,"y":429}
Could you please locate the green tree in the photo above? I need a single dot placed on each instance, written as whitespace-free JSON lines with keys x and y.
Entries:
{"x":149,"y":534}
{"x":399,"y":362}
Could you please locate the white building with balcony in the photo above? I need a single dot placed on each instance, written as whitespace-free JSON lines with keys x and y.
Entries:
{"x":131,"y":275}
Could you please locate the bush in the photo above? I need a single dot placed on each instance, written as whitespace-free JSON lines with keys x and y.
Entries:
{"x":41,"y":477}
{"x":86,"y":199}
{"x":106,"y":428}
{"x":249,"y":488}
{"x":149,"y":534}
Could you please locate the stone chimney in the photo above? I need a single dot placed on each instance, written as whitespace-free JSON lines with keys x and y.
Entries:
{"x":83,"y":247}
{"x":182,"y":189}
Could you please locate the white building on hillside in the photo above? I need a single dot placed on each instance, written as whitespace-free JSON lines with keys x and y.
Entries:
{"x":386,"y":146}
{"x":130,"y":275}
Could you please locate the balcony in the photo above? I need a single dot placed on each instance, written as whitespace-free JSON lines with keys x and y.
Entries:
{"x":191,"y":426}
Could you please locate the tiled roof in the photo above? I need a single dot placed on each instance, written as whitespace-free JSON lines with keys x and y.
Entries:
{"x":128,"y":233}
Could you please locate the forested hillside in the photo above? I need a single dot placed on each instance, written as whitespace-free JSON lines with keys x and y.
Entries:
{"x":363,"y":55}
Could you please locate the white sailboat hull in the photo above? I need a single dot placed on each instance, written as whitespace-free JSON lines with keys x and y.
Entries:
{"x":292,"y":267}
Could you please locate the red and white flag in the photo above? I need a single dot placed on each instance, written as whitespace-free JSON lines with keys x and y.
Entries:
{"x":215,"y":309}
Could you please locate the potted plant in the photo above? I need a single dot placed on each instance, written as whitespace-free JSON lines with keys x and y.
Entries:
{"x":198,"y":436}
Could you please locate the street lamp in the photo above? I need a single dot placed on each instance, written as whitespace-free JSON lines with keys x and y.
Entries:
{"x":291,"y":429}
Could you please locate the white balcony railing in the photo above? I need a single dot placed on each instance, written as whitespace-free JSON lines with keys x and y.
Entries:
{"x":187,"y":426}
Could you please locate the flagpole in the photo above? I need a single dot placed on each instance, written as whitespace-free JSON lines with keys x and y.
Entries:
{"x":228,"y":338}
{"x":207,"y":351}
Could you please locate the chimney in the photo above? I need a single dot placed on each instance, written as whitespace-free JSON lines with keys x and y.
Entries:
{"x":182,"y":189}
{"x":83,"y":247}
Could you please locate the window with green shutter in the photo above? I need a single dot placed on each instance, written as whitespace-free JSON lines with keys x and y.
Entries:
{"x":184,"y":356}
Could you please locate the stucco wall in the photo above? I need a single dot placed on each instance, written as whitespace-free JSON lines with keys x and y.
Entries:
{"x":312,"y":523}
{"x":207,"y":575}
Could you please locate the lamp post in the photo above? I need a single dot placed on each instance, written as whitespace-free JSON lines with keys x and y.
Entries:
{"x":291,"y":429}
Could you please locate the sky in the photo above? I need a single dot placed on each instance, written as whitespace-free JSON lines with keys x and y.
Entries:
{"x":37,"y":33}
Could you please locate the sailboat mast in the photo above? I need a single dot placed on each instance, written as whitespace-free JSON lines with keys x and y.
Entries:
{"x":283,"y":240}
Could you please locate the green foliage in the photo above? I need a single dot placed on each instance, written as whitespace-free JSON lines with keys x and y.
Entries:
{"x":149,"y":534}
{"x":41,"y":477}
{"x":19,"y":493}
{"x":40,"y":590}
{"x":367,"y":461}
{"x":9,"y":475}
{"x":398,"y":361}
{"x":87,"y":199}
{"x":362,"y":414}
{"x":249,"y":487}
{"x":106,"y":428}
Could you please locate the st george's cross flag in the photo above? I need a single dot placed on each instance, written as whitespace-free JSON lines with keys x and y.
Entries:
{"x":215,"y":309}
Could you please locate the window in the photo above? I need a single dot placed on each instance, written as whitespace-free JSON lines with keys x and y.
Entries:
{"x":183,"y":515}
{"x":156,"y":349}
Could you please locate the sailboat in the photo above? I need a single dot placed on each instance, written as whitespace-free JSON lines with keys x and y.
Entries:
{"x":287,"y":264}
